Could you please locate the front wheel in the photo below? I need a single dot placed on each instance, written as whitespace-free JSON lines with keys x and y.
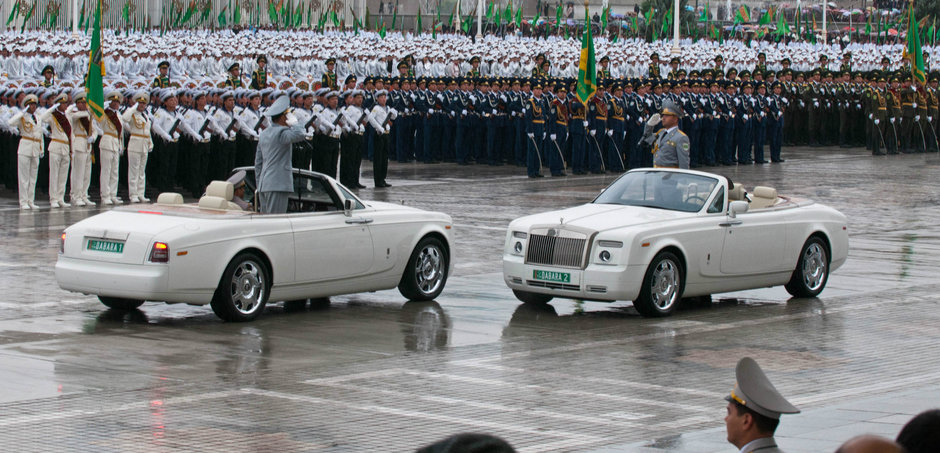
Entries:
{"x":243,"y":289}
{"x":118,"y":303}
{"x":812,"y":270}
{"x":426,"y":271}
{"x":662,"y":286}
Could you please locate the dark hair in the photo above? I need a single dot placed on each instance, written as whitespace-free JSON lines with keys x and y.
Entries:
{"x":469,"y":443}
{"x":922,"y":433}
{"x":765,"y":425}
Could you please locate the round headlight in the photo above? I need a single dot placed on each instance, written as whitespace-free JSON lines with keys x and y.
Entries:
{"x":605,"y":256}
{"x":518,"y":247}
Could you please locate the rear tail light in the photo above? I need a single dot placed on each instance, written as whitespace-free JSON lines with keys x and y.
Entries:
{"x":62,"y":244}
{"x":159,"y":253}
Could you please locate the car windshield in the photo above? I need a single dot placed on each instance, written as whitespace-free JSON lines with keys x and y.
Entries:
{"x":660,"y":189}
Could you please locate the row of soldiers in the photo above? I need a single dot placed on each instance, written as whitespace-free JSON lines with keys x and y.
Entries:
{"x":191,"y":136}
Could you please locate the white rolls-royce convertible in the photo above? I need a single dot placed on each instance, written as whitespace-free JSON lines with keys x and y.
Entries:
{"x":329,"y":243}
{"x":656,"y":235}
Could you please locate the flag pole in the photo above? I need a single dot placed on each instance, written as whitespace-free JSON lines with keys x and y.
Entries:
{"x":676,"y":14}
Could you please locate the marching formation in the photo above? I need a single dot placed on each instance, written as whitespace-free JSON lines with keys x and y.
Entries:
{"x":181,"y":133}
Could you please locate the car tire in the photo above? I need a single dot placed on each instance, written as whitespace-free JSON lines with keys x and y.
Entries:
{"x":118,"y":303}
{"x":426,"y":271}
{"x":243,"y":289}
{"x":662,"y":286}
{"x":812,"y":270}
{"x":532,"y":298}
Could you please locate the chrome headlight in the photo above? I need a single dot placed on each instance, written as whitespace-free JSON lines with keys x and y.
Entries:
{"x":518,"y":243}
{"x":607,"y":252}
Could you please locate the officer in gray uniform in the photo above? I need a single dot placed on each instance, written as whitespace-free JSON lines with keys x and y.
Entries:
{"x":670,"y":145}
{"x":273,"y":157}
{"x":754,"y":409}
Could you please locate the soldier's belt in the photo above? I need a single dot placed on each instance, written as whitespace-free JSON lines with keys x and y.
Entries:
{"x":140,"y":135}
{"x":618,"y":118}
{"x":111,"y":134}
{"x":561,"y":122}
{"x":538,"y":122}
{"x":602,"y":118}
{"x":60,"y":141}
{"x":31,"y":139}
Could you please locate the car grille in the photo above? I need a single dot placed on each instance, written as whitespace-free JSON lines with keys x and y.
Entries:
{"x":552,"y":285}
{"x":556,"y":251}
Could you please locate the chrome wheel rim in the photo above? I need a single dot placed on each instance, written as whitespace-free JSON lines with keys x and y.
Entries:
{"x":814,"y":266}
{"x":664,"y":287}
{"x":429,"y":269}
{"x":247,"y":289}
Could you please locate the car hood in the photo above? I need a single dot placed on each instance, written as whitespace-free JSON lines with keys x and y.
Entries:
{"x":601,"y":217}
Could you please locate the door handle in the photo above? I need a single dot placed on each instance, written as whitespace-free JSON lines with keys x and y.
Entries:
{"x":730,"y":222}
{"x":358,"y":221}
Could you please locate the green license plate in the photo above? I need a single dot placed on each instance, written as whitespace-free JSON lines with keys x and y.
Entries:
{"x":105,"y":246}
{"x":552,"y":276}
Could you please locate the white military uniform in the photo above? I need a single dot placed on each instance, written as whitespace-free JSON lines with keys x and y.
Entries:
{"x":82,"y":139}
{"x":60,"y":150}
{"x":141,"y":143}
{"x":27,"y":155}
{"x":111,"y":147}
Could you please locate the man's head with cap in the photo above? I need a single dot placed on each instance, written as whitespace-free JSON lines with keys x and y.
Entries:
{"x":670,"y":114}
{"x":278,"y":110}
{"x":754,"y":405}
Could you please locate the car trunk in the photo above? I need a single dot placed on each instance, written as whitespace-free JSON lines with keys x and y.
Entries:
{"x":119,"y":236}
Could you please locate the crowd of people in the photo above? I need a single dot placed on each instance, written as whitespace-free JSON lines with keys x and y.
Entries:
{"x":184,"y":111}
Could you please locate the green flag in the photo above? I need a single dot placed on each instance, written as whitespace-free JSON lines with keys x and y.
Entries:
{"x":418,"y":27}
{"x":587,"y":72}
{"x":519,"y":17}
{"x":508,"y":13}
{"x":498,"y":20}
{"x":667,"y":21}
{"x":868,"y":26}
{"x":489,"y":12}
{"x":222,"y":18}
{"x":45,"y":17}
{"x":394,"y":16}
{"x":912,"y":52}
{"x":272,"y":12}
{"x":94,"y":84}
{"x":16,"y":12}
{"x":606,"y":12}
{"x":558,"y":16}
{"x":382,"y":31}
{"x":29,"y":15}
{"x":237,"y":13}
{"x":334,"y":18}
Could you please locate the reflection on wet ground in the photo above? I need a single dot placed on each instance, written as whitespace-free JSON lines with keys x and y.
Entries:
{"x":369,"y":372}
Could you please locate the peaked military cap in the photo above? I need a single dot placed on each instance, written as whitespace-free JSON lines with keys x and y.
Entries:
{"x":234,"y":66}
{"x":164,"y":64}
{"x":670,"y":108}
{"x":754,"y":391}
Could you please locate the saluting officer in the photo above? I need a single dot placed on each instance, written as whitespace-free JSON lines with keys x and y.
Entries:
{"x":138,"y":122}
{"x":670,"y":145}
{"x":60,"y":149}
{"x":29,"y":150}
{"x":111,"y":148}
{"x":754,"y":409}
{"x":84,"y":134}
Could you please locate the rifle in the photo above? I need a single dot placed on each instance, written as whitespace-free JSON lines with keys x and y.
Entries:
{"x":173,"y":129}
{"x":259,"y":124}
{"x":231,"y":125}
{"x":204,"y":127}
{"x":310,"y":123}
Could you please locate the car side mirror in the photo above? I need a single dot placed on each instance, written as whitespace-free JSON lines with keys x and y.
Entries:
{"x":737,"y":207}
{"x":347,"y":207}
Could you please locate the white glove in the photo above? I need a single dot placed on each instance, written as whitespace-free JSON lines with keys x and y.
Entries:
{"x":892,"y":120}
{"x":915,"y":105}
{"x":531,"y":134}
{"x":653,"y":120}
{"x":336,"y":132}
{"x":858,"y":106}
{"x":553,"y":137}
{"x":430,"y":111}
{"x":610,"y":132}
{"x":440,"y":97}
{"x":929,"y":119}
{"x":502,"y":97}
{"x":693,"y":117}
{"x":176,"y":136}
{"x":816,"y":104}
{"x":543,"y":136}
{"x":388,"y":128}
{"x":231,"y":135}
{"x":744,"y":117}
{"x":523,"y":111}
{"x":916,"y":117}
{"x":91,"y":140}
{"x":291,"y":120}
{"x":593,"y":132}
{"x":763,"y":114}
{"x":206,"y":136}
{"x":413,"y":97}
{"x":877,"y":122}
{"x":362,"y":129}
{"x":473,"y":98}
{"x":494,"y":111}
{"x":41,"y":155}
{"x":871,"y":116}
{"x":393,"y":113}
{"x":585,"y":123}
{"x":453,"y":113}
{"x":463,"y":112}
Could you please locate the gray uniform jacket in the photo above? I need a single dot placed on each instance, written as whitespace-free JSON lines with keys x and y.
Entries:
{"x":762,"y":445}
{"x":273,"y":158}
{"x":671,"y":149}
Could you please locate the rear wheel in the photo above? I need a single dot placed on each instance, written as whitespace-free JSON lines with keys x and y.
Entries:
{"x":662,"y":286}
{"x":118,"y":303}
{"x":243,"y":289}
{"x":426,"y":271}
{"x":531,"y":298}
{"x":812,"y":270}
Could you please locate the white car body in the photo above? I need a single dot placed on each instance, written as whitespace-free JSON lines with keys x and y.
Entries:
{"x":718,"y":251}
{"x":309,"y":254}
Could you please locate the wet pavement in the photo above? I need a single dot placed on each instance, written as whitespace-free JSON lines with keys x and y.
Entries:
{"x":369,"y":372}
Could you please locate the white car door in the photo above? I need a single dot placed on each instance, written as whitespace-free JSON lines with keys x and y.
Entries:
{"x":754,"y":243}
{"x":328,"y":245}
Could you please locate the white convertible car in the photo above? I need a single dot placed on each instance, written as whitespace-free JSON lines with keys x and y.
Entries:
{"x":329,"y":243}
{"x":656,"y":235}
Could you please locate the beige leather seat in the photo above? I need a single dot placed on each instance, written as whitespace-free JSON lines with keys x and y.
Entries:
{"x":219,"y":196}
{"x":736,"y":193}
{"x":169,"y":198}
{"x":763,"y":197}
